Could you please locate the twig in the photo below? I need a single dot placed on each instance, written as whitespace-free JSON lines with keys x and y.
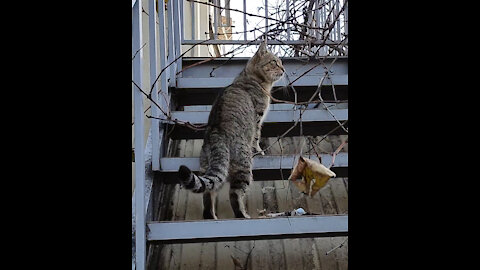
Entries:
{"x":175,"y":60}
{"x":248,"y":256}
{"x":179,"y":122}
{"x":149,"y":96}
{"x":138,"y":51}
{"x":336,"y":152}
{"x":330,"y":132}
{"x":339,"y":246}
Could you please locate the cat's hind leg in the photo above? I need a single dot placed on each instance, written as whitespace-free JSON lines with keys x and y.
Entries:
{"x":209,"y":199}
{"x":239,"y":182}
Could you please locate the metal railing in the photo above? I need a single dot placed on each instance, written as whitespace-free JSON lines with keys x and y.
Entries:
{"x":321,"y":29}
{"x":316,"y":24}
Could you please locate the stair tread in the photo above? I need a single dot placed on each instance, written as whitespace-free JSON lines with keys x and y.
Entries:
{"x":273,"y":116}
{"x":307,"y":80}
{"x":248,"y":229}
{"x":169,"y":164}
{"x":263,"y":168}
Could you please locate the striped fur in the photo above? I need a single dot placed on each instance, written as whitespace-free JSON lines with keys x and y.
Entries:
{"x":233,"y":133}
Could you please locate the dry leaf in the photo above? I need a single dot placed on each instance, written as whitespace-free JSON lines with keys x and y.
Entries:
{"x":298,"y":170}
{"x":314,"y":176}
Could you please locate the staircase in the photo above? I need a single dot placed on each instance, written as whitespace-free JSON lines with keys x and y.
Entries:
{"x":189,"y":98}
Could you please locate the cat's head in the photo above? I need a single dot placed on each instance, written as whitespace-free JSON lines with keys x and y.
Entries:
{"x":265,"y":65}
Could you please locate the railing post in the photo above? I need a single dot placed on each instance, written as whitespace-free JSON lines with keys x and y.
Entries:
{"x":345,"y":17}
{"x":140,"y":239}
{"x":153,"y":74}
{"x":317,"y":19}
{"x":182,"y":21}
{"x":287,"y":17}
{"x":245,"y":20}
{"x":266,"y":19}
{"x":163,"y":78}
{"x":194,"y":23}
{"x":176,"y":32}
{"x":215,"y":19}
{"x":171,"y":43}
{"x":337,"y":23}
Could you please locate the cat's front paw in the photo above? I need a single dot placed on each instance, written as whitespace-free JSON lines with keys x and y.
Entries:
{"x":259,"y":150}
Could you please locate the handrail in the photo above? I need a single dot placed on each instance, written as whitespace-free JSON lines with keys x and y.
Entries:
{"x":157,"y":91}
{"x":325,"y":26}
{"x":140,"y":240}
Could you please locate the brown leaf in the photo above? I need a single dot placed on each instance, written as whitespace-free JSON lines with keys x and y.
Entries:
{"x":314,"y":176}
{"x":298,"y":170}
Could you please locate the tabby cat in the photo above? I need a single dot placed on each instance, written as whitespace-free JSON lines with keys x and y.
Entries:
{"x":233,"y":132}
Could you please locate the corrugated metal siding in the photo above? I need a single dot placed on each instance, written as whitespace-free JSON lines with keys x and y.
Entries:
{"x":274,"y":196}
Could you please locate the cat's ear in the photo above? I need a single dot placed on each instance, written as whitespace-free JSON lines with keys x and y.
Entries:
{"x":262,"y":50}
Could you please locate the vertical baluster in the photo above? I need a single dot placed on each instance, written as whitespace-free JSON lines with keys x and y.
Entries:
{"x":182,"y":22}
{"x":287,"y":10}
{"x":244,"y":20}
{"x":152,"y":25}
{"x":215,"y":19}
{"x":325,"y":20}
{"x":171,"y":43}
{"x":177,"y":25}
{"x":227,"y":14}
{"x":266,"y":19}
{"x":337,"y":23}
{"x":310,"y":18}
{"x":330,"y":5}
{"x":162,"y":64}
{"x":345,"y":17}
{"x":192,"y":8}
{"x":317,"y":19}
{"x":140,"y":240}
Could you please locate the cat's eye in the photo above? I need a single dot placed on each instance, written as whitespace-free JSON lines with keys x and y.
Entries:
{"x":279,"y":65}
{"x":272,"y":62}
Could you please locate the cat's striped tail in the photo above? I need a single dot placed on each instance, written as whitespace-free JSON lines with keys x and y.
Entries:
{"x":199,"y":184}
{"x":215,"y":175}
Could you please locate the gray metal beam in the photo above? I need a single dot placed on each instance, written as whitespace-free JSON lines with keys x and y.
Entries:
{"x":264,"y":167}
{"x":273,"y":116}
{"x":226,"y":81}
{"x":171,"y":164}
{"x":206,"y":96}
{"x":248,"y":229}
{"x":280,"y":118}
{"x":220,"y":72}
{"x":291,"y":64}
{"x":257,"y":42}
